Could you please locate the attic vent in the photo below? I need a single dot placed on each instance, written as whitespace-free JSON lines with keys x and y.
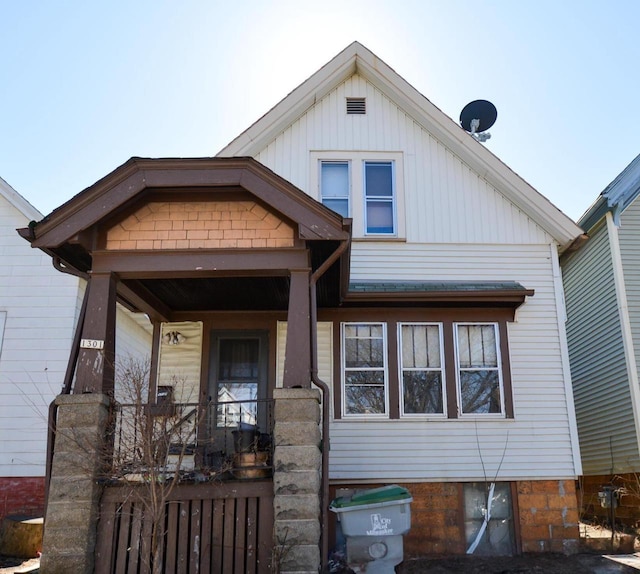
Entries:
{"x":356,"y":106}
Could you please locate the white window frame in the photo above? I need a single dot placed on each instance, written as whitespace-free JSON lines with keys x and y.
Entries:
{"x":349,"y":180}
{"x":498,"y":368}
{"x":384,"y":369}
{"x":366,"y":199}
{"x":402,"y":369}
{"x":357,"y":200}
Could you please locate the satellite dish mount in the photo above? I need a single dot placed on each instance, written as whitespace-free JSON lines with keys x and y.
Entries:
{"x":477,"y":117}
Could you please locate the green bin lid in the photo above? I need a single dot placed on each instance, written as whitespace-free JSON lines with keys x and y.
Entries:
{"x":373,"y":496}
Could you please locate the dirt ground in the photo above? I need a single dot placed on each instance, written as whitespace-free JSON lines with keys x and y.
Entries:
{"x":525,"y":564}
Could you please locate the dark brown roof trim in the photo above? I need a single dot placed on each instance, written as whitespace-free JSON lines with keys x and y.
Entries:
{"x":97,"y":202}
{"x":143,"y":264}
{"x":437,"y":293}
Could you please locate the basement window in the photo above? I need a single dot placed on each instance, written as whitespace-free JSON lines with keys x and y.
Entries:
{"x":497,"y":538}
{"x":356,"y":106}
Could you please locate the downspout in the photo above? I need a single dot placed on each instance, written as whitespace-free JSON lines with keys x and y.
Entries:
{"x":324,"y":389}
{"x":68,"y":377}
{"x":57,"y":263}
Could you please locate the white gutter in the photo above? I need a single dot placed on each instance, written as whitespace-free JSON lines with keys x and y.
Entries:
{"x":561,"y":312}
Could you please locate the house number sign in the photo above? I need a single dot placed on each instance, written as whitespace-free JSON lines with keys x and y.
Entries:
{"x":91,"y":344}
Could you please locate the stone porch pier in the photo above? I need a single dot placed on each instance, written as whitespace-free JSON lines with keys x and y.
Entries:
{"x":296,"y":480}
{"x":74,"y":493}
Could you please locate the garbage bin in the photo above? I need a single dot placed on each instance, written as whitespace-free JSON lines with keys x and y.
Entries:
{"x":373,"y":522}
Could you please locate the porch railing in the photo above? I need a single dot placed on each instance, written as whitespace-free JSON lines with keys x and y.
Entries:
{"x":198,"y":442}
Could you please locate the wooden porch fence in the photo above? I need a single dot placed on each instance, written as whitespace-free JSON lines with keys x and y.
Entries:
{"x":217,"y":528}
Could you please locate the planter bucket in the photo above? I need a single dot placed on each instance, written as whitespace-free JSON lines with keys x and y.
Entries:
{"x":245,"y":440}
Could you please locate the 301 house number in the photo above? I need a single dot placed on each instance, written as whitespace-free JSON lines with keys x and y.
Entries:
{"x":91,"y":344}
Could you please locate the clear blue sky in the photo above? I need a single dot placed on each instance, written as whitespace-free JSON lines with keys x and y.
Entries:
{"x":85,"y":85}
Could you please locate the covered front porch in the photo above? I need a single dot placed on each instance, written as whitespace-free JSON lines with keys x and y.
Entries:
{"x":216,"y":252}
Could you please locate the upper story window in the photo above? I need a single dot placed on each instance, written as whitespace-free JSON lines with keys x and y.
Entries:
{"x":335,"y":187}
{"x":366,"y":186}
{"x":478,"y":369}
{"x":364,"y":368}
{"x":379,"y":197}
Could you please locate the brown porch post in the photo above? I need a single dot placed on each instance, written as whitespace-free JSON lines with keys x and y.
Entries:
{"x":82,"y":440}
{"x":95,"y":371}
{"x":297,"y":361}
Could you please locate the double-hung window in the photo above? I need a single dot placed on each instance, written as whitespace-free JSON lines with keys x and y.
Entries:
{"x":379,"y":198}
{"x":478,"y":368}
{"x":335,"y":186}
{"x":366,"y":186}
{"x":364,"y":369}
{"x":422,"y":369}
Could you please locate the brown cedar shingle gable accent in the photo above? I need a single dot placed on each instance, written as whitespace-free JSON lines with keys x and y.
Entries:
{"x":200,"y":225}
{"x":120,"y":187}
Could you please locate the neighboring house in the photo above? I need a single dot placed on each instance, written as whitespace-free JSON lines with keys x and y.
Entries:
{"x":38,"y":311}
{"x":435,"y":282}
{"x":602,"y":290}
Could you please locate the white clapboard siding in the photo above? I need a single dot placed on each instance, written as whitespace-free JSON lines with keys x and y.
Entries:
{"x":445,"y":201}
{"x":608,"y":441}
{"x":538,"y":440}
{"x":180,"y":365}
{"x":325,"y":355}
{"x":134,"y":334}
{"x":40,"y":308}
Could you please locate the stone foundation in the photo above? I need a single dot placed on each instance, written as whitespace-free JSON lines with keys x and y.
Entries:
{"x":545,"y":517}
{"x":548,"y":516}
{"x":21,"y":495}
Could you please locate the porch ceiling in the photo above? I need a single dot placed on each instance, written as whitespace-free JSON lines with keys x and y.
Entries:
{"x":202,"y":294}
{"x":220,"y":294}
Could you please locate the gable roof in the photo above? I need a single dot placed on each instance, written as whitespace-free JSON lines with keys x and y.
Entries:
{"x":356,"y":59}
{"x":127,"y":182}
{"x":617,"y":196}
{"x":19,"y":202}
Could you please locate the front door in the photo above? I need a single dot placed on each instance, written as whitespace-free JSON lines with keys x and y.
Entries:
{"x":238,"y":382}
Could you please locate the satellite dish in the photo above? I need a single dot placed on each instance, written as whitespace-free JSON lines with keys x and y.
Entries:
{"x":477,"y":117}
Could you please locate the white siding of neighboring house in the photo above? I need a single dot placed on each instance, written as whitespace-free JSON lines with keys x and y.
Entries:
{"x":604,"y":412}
{"x":40,"y":307}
